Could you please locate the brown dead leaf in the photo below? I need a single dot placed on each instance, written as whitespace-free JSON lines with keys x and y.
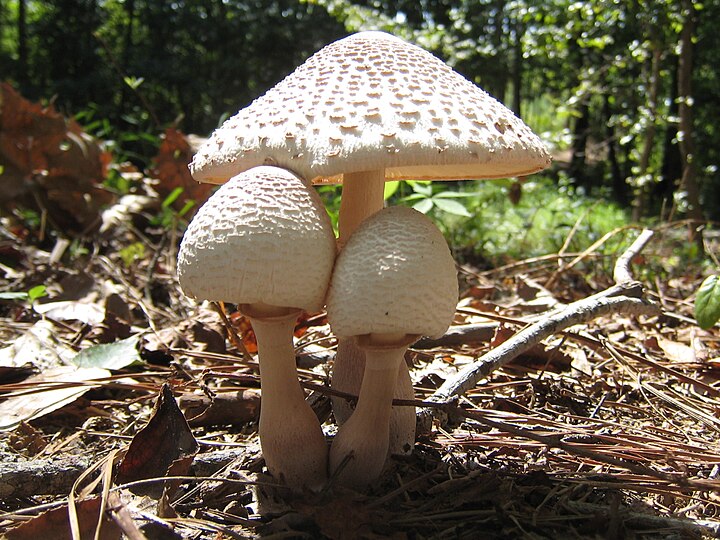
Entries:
{"x":67,"y":383}
{"x":674,"y":351}
{"x":56,"y":525}
{"x":49,"y":163}
{"x":171,"y":169}
{"x":165,"y":440}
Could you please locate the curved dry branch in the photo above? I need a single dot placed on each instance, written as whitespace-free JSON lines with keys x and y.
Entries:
{"x":624,"y":297}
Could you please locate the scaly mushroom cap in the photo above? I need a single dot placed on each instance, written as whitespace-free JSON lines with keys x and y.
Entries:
{"x":263,"y":237}
{"x":396,"y":275}
{"x":372,"y":101}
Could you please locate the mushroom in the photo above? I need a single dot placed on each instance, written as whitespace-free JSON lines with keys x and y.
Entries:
{"x":394,"y":281}
{"x":264,"y":241}
{"x":366,"y":109}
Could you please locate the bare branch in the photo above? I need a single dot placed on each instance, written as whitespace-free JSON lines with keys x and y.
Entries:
{"x":620,"y":298}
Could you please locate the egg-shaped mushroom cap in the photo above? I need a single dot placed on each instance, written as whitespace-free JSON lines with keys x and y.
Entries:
{"x":263,"y":237}
{"x":373,"y":101}
{"x":395,"y":275}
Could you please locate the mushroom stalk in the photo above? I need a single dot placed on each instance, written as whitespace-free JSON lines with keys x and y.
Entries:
{"x":292,"y":440}
{"x":347,"y":377}
{"x":359,"y":450}
{"x":363,"y":194}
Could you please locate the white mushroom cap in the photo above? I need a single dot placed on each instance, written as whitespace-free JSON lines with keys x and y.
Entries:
{"x":263,"y":237}
{"x":396,"y":275}
{"x":372,"y":101}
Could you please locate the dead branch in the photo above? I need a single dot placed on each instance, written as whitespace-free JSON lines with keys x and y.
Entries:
{"x":55,"y":477}
{"x":621,"y":298}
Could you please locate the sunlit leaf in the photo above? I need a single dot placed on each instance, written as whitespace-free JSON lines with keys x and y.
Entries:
{"x":115,"y":356}
{"x":424,"y":205}
{"x":451,"y":207}
{"x":390,"y":189}
{"x":707,"y":302}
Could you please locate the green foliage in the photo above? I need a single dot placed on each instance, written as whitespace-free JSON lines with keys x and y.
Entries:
{"x":331,"y":196}
{"x":427,"y":197}
{"x":133,"y":252}
{"x":493,"y":229}
{"x":707,"y":302}
{"x":31,"y":295}
{"x":115,"y":356}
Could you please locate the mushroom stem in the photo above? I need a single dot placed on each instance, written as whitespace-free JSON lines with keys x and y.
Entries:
{"x":292,"y":440}
{"x":359,"y":450}
{"x":347,"y":377}
{"x":363,"y":194}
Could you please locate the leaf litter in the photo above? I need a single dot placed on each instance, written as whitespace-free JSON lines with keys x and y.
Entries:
{"x":608,"y":428}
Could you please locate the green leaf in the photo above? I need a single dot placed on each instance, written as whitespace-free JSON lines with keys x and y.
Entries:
{"x":113,"y":356}
{"x":390,"y":189}
{"x":421,"y":186}
{"x":451,"y":207}
{"x":424,"y":205}
{"x":172,"y":197}
{"x":707,"y":302}
{"x":454,"y":195}
{"x":38,"y":291}
{"x":414,"y":197}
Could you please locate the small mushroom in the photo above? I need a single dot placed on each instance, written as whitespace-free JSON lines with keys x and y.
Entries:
{"x":394,"y":281}
{"x":264,"y":241}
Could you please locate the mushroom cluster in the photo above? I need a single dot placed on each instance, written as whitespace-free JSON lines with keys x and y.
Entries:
{"x":365,"y":109}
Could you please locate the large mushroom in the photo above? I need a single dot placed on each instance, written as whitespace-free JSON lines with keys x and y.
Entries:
{"x":394,"y":282}
{"x":366,"y":109}
{"x":264,"y":241}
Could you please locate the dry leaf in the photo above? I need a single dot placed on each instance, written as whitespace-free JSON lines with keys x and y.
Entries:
{"x":171,"y":169}
{"x":56,"y":525}
{"x":23,"y":408}
{"x":49,"y":163}
{"x":165,"y":440}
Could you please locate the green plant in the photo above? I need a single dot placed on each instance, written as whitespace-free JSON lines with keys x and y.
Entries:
{"x":541,"y":222}
{"x":31,"y":295}
{"x":168,"y":216}
{"x":707,"y":302}
{"x":132,"y":253}
{"x":431,"y":196}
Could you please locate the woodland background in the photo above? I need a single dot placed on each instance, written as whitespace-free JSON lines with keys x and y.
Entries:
{"x":627,"y":94}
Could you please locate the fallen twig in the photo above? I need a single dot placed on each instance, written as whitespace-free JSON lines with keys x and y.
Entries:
{"x":619,"y":298}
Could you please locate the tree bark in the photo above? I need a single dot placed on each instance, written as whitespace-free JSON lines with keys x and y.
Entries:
{"x":126,"y":53}
{"x":688,"y":182}
{"x":642,"y":191}
{"x":518,"y":69}
{"x":22,"y":63}
{"x":619,"y":186}
{"x":579,"y":144}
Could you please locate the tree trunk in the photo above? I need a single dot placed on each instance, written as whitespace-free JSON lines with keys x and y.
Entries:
{"x":126,"y":53}
{"x":644,"y":176}
{"x":688,"y":182}
{"x":517,"y":69}
{"x":579,"y":144}
{"x":671,"y":169}
{"x":22,"y":63}
{"x":619,"y":186}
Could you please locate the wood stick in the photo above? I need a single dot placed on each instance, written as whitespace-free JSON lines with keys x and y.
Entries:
{"x":621,"y":298}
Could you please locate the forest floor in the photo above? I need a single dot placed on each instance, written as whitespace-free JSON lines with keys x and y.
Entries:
{"x":122,"y":398}
{"x":608,"y":429}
